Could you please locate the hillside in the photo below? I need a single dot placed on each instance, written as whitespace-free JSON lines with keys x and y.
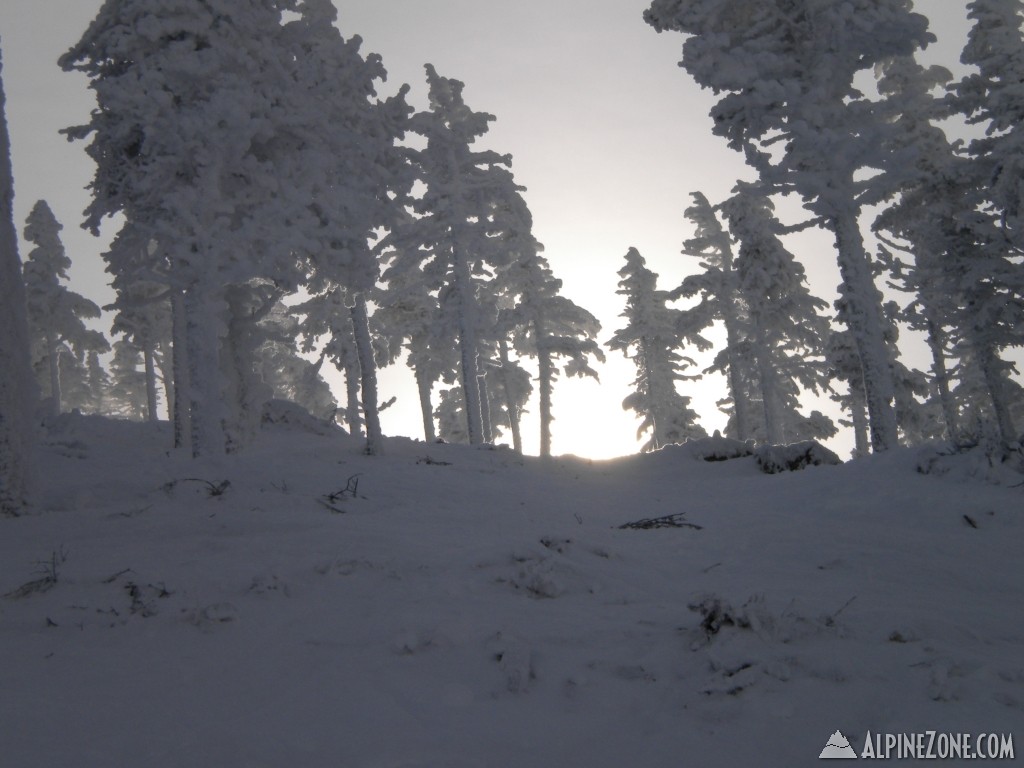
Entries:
{"x":461,"y":607}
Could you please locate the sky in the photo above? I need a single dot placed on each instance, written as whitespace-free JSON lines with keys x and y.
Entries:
{"x":607,"y":133}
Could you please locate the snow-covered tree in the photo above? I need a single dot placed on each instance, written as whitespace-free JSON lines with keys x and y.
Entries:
{"x":992,"y":284}
{"x":547,"y":326}
{"x":463,"y":230}
{"x":127,"y":396}
{"x":717,"y":285}
{"x":784,"y":330}
{"x":357,"y":176}
{"x":199,"y":122}
{"x":650,"y":339}
{"x":785,"y":72}
{"x":56,"y":314}
{"x":289,"y":375}
{"x":922,"y":221}
{"x":328,"y":317}
{"x":991,"y":97}
{"x":17,"y":385}
{"x":412,"y":322}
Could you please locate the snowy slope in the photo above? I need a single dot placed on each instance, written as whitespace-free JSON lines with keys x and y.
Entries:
{"x":473,"y":608}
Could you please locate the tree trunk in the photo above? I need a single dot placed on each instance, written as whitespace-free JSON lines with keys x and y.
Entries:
{"x":773,"y":427}
{"x":353,"y":416}
{"x":468,"y":352}
{"x":203,"y":307}
{"x":545,"y":377}
{"x":864,"y":317}
{"x":425,"y":387}
{"x":485,"y":406}
{"x":53,"y":365}
{"x":989,"y":362}
{"x":653,"y":407}
{"x":739,"y":396}
{"x":368,"y":378}
{"x":150,"y":366}
{"x":941,"y":377}
{"x":17,"y":383}
{"x":179,"y":372}
{"x":510,"y":402}
{"x":163,"y":355}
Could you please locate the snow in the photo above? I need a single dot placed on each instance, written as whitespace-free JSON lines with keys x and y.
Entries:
{"x":460,"y":607}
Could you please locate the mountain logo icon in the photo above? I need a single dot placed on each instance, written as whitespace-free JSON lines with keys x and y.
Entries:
{"x":838,"y":748}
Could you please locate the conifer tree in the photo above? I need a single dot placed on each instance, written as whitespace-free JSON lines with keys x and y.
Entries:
{"x":56,"y":314}
{"x":718,"y":288}
{"x":412,"y":322}
{"x":358,"y":181}
{"x":544,"y":325}
{"x":198,"y":118}
{"x":992,"y":285}
{"x":650,"y":339}
{"x":127,"y":396}
{"x":785,"y":71}
{"x":786,"y":334}
{"x":463,"y":230}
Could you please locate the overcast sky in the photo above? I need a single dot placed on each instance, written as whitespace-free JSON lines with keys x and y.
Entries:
{"x":607,"y":133}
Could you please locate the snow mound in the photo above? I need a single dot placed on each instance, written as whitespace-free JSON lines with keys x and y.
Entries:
{"x":773,"y":459}
{"x":718,"y":448}
{"x":989,"y":464}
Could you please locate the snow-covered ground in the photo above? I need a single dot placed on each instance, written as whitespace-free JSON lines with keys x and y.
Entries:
{"x":468,"y":607}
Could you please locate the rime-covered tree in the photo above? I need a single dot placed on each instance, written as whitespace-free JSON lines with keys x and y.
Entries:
{"x":199,"y":123}
{"x":412,"y":323}
{"x":783,"y":327}
{"x":991,"y":282}
{"x":56,"y":314}
{"x":289,"y":375}
{"x":327,"y":316}
{"x":785,"y":73}
{"x":357,"y":177}
{"x":17,"y":385}
{"x":717,"y":285}
{"x":547,"y":326}
{"x":922,"y":221}
{"x":650,"y":339}
{"x":127,"y":396}
{"x":465,"y":227}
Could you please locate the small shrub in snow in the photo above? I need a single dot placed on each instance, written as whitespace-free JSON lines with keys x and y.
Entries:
{"x":773,"y":459}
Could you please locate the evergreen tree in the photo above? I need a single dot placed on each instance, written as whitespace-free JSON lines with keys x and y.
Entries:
{"x":358,"y":179}
{"x":785,"y":72}
{"x":199,"y":122}
{"x":412,"y":323}
{"x":327,"y":316}
{"x":548,"y":326}
{"x":60,"y":339}
{"x":126,"y":397}
{"x":786,"y":334}
{"x":289,"y":375}
{"x":992,"y":285}
{"x":17,"y":385}
{"x":466,"y":227}
{"x":650,"y":338}
{"x":718,"y":288}
{"x":925,"y":218}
